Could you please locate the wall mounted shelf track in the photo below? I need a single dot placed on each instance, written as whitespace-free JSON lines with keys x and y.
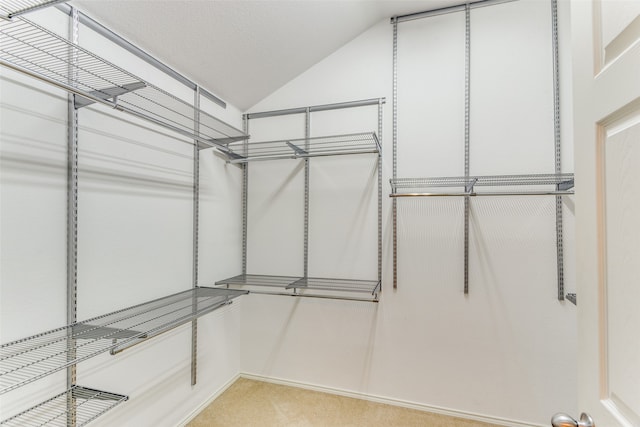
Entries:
{"x":534,"y":184}
{"x":335,"y":145}
{"x":26,"y":360}
{"x":88,"y":404}
{"x":35,"y":51}
{"x":308,"y":284}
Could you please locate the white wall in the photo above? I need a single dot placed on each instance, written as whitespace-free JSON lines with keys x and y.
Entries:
{"x":507,"y":350}
{"x":135,"y":227}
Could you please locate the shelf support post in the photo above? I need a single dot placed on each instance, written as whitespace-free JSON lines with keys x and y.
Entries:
{"x":72,"y":218}
{"x":380,"y":102}
{"x":307,"y":135}
{"x":394,"y":202}
{"x":557,"y":146}
{"x":245,"y":194}
{"x":467,"y":114}
{"x":196,"y":208}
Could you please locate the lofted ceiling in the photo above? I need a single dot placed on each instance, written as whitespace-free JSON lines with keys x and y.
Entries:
{"x":243,"y":50}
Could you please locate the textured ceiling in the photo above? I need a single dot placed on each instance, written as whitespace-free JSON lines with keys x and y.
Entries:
{"x":243,"y":50}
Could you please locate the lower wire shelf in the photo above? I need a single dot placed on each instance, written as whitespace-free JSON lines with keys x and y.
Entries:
{"x":29,"y":359}
{"x":81,"y":403}
{"x":259,"y":280}
{"x":297,"y":283}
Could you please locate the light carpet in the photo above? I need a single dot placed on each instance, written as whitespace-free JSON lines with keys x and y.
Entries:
{"x":249,"y":403}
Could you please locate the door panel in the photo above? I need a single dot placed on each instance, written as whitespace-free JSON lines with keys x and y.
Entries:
{"x":619,"y":27}
{"x":606,"y":103}
{"x":620,"y":347}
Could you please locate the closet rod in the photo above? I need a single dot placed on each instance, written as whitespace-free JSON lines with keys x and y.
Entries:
{"x":131,"y":48}
{"x":492,"y":193}
{"x":315,"y":108}
{"x":444,"y":10}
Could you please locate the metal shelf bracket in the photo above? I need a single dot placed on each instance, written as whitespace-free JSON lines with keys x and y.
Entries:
{"x":299,"y":151}
{"x":468,"y":188}
{"x":107,"y":94}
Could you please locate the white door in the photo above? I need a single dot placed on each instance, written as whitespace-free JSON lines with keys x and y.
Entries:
{"x":606,"y":72}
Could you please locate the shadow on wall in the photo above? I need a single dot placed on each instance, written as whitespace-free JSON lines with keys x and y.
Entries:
{"x":326,"y":345}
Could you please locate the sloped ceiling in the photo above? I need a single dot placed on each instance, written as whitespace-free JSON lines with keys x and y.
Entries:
{"x":243,"y":50}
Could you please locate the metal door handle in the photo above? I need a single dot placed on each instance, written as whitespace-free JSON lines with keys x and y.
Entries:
{"x":564,"y":420}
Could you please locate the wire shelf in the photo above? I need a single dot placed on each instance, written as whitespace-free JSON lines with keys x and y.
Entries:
{"x":295,"y":283}
{"x":88,"y":405}
{"x":335,"y":145}
{"x":12,"y":8}
{"x":42,"y":54}
{"x":563,"y":184}
{"x":259,"y":280}
{"x":29,"y":359}
{"x":343,"y":285}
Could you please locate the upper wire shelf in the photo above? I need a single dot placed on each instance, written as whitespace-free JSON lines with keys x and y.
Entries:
{"x":335,"y":145}
{"x":410,"y":187}
{"x":88,"y":404}
{"x":26,"y":360}
{"x":33,"y":50}
{"x":9,"y":9}
{"x":297,"y":283}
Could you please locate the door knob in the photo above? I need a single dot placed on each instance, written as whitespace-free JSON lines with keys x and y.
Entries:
{"x":564,"y":420}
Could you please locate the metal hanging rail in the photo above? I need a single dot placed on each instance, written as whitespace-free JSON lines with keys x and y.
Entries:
{"x":445,"y":10}
{"x":42,"y":54}
{"x":29,"y":359}
{"x":315,"y":108}
{"x":563,"y":184}
{"x":89,"y":404}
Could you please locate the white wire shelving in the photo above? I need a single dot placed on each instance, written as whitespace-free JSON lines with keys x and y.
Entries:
{"x":533,"y":184}
{"x":29,"y":359}
{"x":306,"y":286}
{"x":247,"y":151}
{"x":370,"y":287}
{"x":302,"y":148}
{"x":35,"y":51}
{"x":83,"y":404}
{"x":39,"y":53}
{"x":10,"y":9}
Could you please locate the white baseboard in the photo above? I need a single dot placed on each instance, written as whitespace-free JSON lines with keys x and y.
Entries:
{"x":208,"y":402}
{"x":394,"y":402}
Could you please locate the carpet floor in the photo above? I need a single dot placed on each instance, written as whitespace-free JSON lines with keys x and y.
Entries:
{"x":250,"y":403}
